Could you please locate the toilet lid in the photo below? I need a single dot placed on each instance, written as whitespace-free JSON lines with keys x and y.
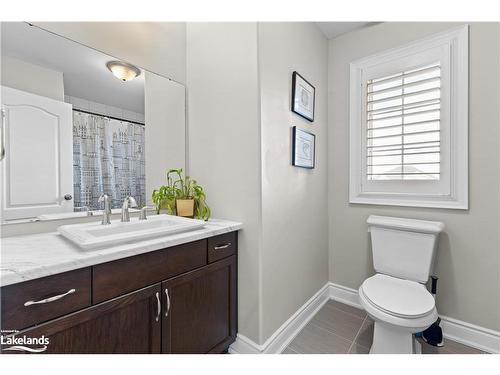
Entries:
{"x":398,"y":297}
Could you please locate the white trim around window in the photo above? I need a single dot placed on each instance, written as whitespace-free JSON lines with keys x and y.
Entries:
{"x":448,"y":188}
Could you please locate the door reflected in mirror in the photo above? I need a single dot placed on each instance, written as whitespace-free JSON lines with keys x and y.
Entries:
{"x":77,"y":124}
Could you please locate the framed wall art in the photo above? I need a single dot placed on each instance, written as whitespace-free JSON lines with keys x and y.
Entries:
{"x":303,"y":97}
{"x":303,"y":148}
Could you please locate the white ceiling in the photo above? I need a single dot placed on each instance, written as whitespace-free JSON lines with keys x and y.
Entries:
{"x":334,"y":29}
{"x":84,"y":70}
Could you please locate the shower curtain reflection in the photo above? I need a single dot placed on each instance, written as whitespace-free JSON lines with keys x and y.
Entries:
{"x":108,"y":158}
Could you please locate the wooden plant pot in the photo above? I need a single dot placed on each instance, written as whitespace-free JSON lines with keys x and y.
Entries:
{"x":184,"y":207}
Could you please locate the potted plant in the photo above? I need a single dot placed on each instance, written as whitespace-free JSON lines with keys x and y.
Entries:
{"x":181,"y":196}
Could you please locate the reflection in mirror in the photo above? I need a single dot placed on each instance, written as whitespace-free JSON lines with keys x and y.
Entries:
{"x":77,"y":124}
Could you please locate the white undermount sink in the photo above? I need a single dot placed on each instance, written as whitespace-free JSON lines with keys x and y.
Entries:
{"x":93,"y":235}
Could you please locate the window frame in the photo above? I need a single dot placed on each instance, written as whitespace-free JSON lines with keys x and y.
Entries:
{"x":451,"y":191}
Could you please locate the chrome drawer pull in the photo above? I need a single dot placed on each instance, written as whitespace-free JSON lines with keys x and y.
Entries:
{"x":168,"y":302}
{"x":50,"y":299}
{"x":220,"y":247}
{"x":159,"y":306}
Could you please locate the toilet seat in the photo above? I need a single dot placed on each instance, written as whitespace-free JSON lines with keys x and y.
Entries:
{"x":397,"y":297}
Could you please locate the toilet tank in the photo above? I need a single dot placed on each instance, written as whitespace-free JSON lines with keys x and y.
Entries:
{"x":404,"y":248}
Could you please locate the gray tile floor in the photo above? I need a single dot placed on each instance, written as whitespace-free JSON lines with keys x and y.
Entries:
{"x":340,"y":329}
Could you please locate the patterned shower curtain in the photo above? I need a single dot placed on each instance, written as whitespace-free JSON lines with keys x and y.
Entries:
{"x":108,"y":158}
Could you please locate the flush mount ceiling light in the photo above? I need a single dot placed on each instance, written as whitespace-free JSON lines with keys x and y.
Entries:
{"x":122,"y":70}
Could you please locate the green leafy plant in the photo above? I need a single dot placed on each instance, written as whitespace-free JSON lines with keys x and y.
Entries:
{"x":180,"y":187}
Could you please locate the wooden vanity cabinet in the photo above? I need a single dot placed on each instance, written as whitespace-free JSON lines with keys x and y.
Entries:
{"x":124,"y":325}
{"x":200,"y":310}
{"x":181,"y":299}
{"x":121,"y":276}
{"x":37,"y":301}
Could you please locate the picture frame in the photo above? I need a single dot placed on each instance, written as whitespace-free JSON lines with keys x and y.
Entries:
{"x":303,"y":148}
{"x":303,"y":97}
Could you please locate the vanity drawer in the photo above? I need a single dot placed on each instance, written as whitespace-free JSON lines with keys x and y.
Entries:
{"x":36,"y":301}
{"x":222,"y":246}
{"x":118,"y":277}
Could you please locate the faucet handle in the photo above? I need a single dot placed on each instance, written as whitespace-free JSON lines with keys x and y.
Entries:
{"x":106,"y":212}
{"x":143,"y":214}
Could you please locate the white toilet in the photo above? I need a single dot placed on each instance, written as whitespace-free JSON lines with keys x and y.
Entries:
{"x":396,"y":297}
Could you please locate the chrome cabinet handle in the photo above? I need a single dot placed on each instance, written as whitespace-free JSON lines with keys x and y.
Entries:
{"x":159,"y":306}
{"x":220,"y":247}
{"x":50,"y":299}
{"x":168,"y":302}
{"x":2,"y":137}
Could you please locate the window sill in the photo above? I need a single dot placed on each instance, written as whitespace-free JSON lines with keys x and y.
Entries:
{"x":425,"y":202}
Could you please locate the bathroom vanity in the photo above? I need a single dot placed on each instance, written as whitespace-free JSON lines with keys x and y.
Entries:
{"x":172,"y":294}
{"x":161,"y":285}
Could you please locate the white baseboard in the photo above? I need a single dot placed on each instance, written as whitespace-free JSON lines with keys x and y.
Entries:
{"x":454,"y":329}
{"x":243,"y":345}
{"x":345,"y":295}
{"x":280,"y":339}
{"x":470,"y":334}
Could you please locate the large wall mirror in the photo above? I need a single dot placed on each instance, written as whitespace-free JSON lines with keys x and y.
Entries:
{"x":77,"y":123}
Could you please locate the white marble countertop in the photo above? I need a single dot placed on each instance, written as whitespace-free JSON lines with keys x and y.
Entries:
{"x":33,"y":256}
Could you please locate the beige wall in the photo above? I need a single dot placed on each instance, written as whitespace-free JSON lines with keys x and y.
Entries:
{"x":294,"y":215}
{"x":32,"y":78}
{"x":165,"y":138}
{"x":224,"y":143}
{"x":468,"y":263}
{"x":156,"y":46}
{"x":239,"y":85}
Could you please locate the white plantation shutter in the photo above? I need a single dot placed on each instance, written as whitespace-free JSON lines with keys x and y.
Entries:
{"x":408,"y":124}
{"x":403,"y":125}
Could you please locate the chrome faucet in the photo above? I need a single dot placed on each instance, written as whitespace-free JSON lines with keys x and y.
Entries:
{"x":106,"y":212}
{"x":128,"y":202}
{"x":143,"y":215}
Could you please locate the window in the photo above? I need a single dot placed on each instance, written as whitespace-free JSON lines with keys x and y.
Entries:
{"x":402,"y":125}
{"x":409,"y":124}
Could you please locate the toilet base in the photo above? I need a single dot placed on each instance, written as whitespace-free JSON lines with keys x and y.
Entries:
{"x":388,"y":339}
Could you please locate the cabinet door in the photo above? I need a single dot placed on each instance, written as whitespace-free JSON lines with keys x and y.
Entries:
{"x":37,"y":171}
{"x":199,"y":309}
{"x":127,"y":324}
